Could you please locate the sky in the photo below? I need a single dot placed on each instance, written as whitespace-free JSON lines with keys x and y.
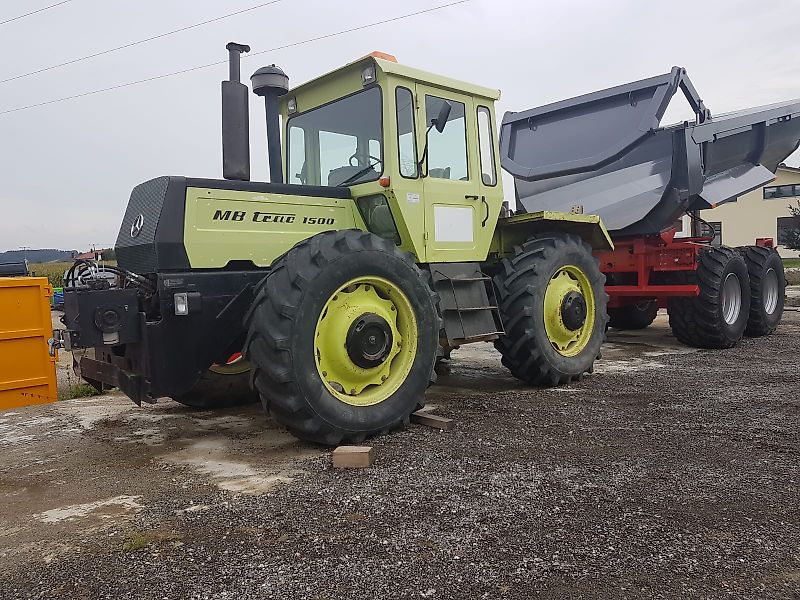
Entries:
{"x":68,"y":168}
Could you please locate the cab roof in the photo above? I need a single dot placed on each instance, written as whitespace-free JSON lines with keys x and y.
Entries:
{"x":392,"y":67}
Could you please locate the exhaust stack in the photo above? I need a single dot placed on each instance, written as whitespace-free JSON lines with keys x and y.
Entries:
{"x":271,"y":83}
{"x":235,"y":119}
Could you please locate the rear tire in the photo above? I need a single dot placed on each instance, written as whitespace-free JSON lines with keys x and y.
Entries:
{"x":718,"y":316}
{"x":303,"y":365}
{"x":633,"y":316}
{"x":219,"y":390}
{"x":530,"y":352}
{"x":767,"y":289}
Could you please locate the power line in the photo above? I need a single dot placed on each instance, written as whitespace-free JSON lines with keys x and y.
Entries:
{"x":221,"y":62}
{"x":33,"y":12}
{"x":136,"y":43}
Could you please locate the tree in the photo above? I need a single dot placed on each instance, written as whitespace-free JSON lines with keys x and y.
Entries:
{"x":791,"y":235}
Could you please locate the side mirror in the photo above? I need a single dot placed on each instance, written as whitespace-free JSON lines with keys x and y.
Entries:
{"x":439,"y":122}
{"x":441,"y":119}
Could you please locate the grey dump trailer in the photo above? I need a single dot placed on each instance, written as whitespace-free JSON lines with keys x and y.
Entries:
{"x":606,"y":153}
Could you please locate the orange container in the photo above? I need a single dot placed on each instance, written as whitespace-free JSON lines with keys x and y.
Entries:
{"x":27,"y":371}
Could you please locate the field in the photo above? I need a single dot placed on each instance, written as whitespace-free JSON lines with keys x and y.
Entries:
{"x":54,"y":271}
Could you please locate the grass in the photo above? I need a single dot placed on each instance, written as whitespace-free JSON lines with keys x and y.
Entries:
{"x":136,"y":541}
{"x":79,"y":390}
{"x":791,"y":263}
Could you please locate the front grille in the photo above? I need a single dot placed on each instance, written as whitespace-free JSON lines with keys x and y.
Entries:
{"x":138,"y":253}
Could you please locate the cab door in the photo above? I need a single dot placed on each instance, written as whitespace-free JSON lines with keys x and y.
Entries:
{"x":451,"y":183}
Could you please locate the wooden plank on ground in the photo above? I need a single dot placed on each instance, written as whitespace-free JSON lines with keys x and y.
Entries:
{"x":353,"y":457}
{"x":421,"y":417}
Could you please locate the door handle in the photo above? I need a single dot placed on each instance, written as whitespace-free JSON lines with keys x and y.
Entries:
{"x":486,"y":218}
{"x":471,"y":197}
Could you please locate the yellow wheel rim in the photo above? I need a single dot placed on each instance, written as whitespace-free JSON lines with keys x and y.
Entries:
{"x":568,"y":339}
{"x":380,"y":300}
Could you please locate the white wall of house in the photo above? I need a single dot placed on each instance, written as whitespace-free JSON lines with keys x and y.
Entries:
{"x":752,"y":216}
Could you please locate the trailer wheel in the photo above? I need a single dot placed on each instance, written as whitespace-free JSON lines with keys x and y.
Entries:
{"x":718,"y":316}
{"x":221,"y":386}
{"x":343,"y":337}
{"x":767,"y":289}
{"x":553,"y":306}
{"x":633,"y":316}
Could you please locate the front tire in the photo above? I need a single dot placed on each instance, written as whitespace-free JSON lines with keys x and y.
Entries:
{"x":553,"y":306}
{"x":718,"y":316}
{"x":222,"y":386}
{"x":633,"y":316}
{"x":343,"y":337}
{"x":767,"y":289}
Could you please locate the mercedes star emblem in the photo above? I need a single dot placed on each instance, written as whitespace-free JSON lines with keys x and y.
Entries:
{"x":136,"y":226}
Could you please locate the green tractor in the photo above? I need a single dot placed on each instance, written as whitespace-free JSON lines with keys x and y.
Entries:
{"x":330,"y":293}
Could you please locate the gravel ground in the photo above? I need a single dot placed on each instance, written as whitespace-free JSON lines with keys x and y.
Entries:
{"x":669,"y":473}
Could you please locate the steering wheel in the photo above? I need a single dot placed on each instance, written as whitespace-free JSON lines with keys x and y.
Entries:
{"x":350,"y":160}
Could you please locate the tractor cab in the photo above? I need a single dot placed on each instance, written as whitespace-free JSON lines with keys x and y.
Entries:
{"x":417,"y":151}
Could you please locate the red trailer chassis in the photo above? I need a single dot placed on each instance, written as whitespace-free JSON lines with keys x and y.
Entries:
{"x":642,"y":269}
{"x":643,"y":263}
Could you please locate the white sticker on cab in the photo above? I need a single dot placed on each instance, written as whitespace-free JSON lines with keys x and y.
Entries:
{"x":412,"y":198}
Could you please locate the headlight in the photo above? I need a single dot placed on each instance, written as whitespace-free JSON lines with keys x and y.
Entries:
{"x":181,"y":303}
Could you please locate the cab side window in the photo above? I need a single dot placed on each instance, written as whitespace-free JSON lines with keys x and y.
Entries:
{"x":406,"y":132}
{"x":488,"y":170}
{"x":447,"y":151}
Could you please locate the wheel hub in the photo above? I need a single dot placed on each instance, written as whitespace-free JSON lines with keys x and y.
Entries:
{"x":365,"y":341}
{"x":731,"y":298}
{"x":369,"y":340}
{"x":573,"y":310}
{"x":569,"y":310}
{"x":771,"y":291}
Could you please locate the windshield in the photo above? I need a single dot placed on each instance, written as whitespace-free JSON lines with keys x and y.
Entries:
{"x":340,"y":143}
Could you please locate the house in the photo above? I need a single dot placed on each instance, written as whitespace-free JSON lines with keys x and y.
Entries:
{"x":762,"y":213}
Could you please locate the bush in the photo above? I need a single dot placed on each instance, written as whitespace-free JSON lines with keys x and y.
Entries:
{"x":791,"y":237}
{"x":80,"y":390}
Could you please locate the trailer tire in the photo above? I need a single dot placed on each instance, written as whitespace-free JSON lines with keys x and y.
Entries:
{"x":301,"y":367}
{"x":767,"y":289}
{"x":718,"y":316}
{"x":633,"y":316}
{"x":531,"y":352}
{"x":219,"y":390}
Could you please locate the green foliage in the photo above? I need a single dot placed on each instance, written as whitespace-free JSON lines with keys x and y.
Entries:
{"x":36,"y":255}
{"x":136,"y":541}
{"x":54,"y":271}
{"x":80,"y":390}
{"x":792,"y":236}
